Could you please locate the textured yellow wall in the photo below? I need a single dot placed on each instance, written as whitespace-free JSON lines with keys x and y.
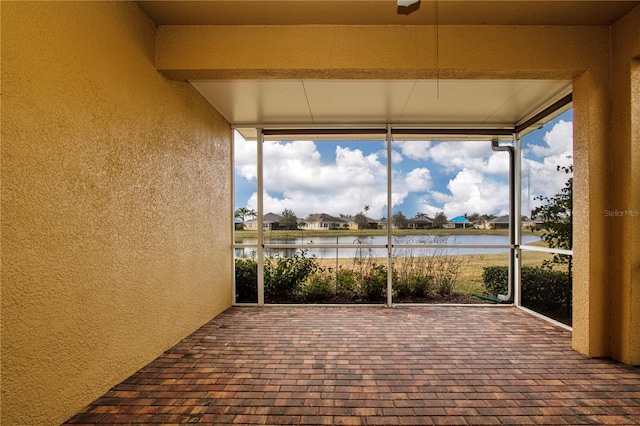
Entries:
{"x":115,"y":206}
{"x":625,"y":178}
{"x":634,"y":245}
{"x":590,"y":239}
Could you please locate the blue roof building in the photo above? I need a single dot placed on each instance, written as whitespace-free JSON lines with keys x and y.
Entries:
{"x":458,"y":222}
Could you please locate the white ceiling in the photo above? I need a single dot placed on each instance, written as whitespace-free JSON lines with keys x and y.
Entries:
{"x":452,"y":103}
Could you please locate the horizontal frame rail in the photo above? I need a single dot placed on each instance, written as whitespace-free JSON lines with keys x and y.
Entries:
{"x":378,"y":246}
{"x":546,"y":250}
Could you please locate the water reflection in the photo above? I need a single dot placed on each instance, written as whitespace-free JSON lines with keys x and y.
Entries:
{"x":309,"y":242}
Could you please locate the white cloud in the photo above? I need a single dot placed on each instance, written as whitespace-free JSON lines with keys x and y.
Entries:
{"x":415,"y":150}
{"x":475,"y":190}
{"x":559,"y":141}
{"x":497,"y":164}
{"x":542,"y":178}
{"x":245,"y":157}
{"x":455,"y":156}
{"x":297,"y":177}
{"x":396,"y":157}
{"x":309,"y":185}
{"x":418,"y":180}
{"x":469,"y":192}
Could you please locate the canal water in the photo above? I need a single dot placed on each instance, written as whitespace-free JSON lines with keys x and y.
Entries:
{"x":359,"y":251}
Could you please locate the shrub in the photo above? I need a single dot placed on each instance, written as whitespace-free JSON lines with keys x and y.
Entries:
{"x":446,"y":272}
{"x":246,"y":280}
{"x":318,"y":288}
{"x":542,"y":288}
{"x":496,"y":279}
{"x":445,"y":285}
{"x":413,"y":276}
{"x":424,"y":272}
{"x":284,"y":276}
{"x":346,"y":284}
{"x":374,"y":283}
{"x":413,"y":285}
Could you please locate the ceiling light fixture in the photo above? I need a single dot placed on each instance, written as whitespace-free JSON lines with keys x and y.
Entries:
{"x":407,"y":3}
{"x":406,"y":7}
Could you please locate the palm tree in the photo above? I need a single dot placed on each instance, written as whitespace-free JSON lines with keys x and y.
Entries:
{"x":243,"y":212}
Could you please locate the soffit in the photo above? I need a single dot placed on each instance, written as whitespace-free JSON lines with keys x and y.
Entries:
{"x":488,"y":103}
{"x":383,"y":12}
{"x":451,"y":103}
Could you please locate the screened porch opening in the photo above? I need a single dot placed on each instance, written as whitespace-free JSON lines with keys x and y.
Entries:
{"x":351,"y":215}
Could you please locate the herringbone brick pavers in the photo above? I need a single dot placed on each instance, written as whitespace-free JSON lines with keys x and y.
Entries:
{"x":373,"y":366}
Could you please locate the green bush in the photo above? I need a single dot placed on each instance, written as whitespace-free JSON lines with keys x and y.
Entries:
{"x":445,"y":284}
{"x":300,"y":278}
{"x":285,"y":276}
{"x":413,"y":277}
{"x":374,"y":283}
{"x":318,"y":288}
{"x":246,"y":280}
{"x":496,"y":279}
{"x":542,"y":288}
{"x":346,"y":284}
{"x":418,"y":285}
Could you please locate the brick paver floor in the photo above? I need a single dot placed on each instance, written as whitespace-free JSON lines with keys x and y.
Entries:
{"x":374,"y":366}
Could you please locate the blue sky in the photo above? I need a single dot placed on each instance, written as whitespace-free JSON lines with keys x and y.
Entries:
{"x":456,"y":177}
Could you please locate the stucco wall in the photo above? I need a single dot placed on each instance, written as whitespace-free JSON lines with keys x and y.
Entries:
{"x":624,"y":197}
{"x":115,"y":206}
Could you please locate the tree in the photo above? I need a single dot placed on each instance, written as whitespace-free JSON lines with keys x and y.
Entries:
{"x":472,"y":217}
{"x":244,"y":212}
{"x":288,"y":219}
{"x":420,"y":215}
{"x":439,"y":220}
{"x":361,"y":219}
{"x":556,"y":215}
{"x":399,"y":220}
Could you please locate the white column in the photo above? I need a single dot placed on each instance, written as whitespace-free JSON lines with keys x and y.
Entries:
{"x":389,"y":234}
{"x":259,"y":144}
{"x":517,"y":211}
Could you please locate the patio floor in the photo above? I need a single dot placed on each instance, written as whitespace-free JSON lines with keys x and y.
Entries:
{"x":373,"y":366}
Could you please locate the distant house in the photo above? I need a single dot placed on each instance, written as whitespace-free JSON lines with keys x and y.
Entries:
{"x":270,"y":221}
{"x":530,"y":223}
{"x":481,"y":224}
{"x":420,"y":223}
{"x":458,"y":222}
{"x":371,"y":223}
{"x":501,"y":222}
{"x":323,"y":221}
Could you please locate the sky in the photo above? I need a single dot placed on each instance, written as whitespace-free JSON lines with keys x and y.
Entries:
{"x":454,"y":177}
